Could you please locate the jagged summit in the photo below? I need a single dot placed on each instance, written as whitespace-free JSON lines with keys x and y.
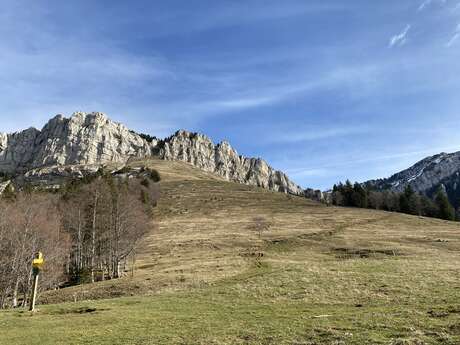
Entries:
{"x":81,"y":139}
{"x":92,"y":138}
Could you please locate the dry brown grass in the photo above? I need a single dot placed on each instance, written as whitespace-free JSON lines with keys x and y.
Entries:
{"x":374,"y":274}
{"x":203,"y":234}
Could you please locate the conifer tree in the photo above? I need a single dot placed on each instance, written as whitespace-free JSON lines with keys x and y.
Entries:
{"x":445,"y":209}
{"x":359,"y":196}
{"x":409,"y":202}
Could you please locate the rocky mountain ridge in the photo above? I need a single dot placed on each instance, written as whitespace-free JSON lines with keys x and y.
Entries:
{"x":222,"y":159}
{"x":93,"y":139}
{"x":426,"y":176}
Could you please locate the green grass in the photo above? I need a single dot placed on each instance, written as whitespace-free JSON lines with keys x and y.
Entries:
{"x":265,"y":305}
{"x":320,"y":275}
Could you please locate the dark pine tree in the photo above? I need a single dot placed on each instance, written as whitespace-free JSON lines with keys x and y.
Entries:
{"x":409,"y":202}
{"x":348,"y":193}
{"x":445,"y":209}
{"x":359,"y":196}
{"x":428,"y":207}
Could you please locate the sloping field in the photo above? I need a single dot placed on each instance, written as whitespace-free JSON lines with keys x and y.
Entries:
{"x":232,"y":264}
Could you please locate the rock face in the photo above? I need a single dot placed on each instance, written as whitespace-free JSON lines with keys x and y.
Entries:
{"x":53,"y":177}
{"x":93,"y":139}
{"x":223,"y":160}
{"x":426,"y":176}
{"x":316,"y":195}
{"x":80,"y":139}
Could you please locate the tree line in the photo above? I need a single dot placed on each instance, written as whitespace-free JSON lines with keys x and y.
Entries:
{"x":409,"y":201}
{"x":87,"y":231}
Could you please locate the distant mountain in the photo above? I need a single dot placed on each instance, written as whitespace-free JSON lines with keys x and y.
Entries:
{"x":93,"y":139}
{"x":426,"y":176}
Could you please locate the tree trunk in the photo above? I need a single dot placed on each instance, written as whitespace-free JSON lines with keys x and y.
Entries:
{"x":14,"y":304}
{"x":117,"y":267}
{"x":27,"y":288}
{"x":24,"y":301}
{"x":2,"y":301}
{"x":79,"y":244}
{"x":93,"y":235}
{"x":101,"y":268}
{"x":133,"y":264}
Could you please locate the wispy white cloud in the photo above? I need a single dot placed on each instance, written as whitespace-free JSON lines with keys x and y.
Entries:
{"x":401,"y":38}
{"x":424,"y":5}
{"x":271,"y":92}
{"x":242,"y":103}
{"x":427,"y":3}
{"x":317,"y":133}
{"x":454,"y":38}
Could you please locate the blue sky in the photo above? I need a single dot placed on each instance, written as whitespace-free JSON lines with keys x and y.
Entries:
{"x":324,"y":90}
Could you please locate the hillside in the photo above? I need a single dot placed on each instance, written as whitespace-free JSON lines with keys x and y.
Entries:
{"x":317,"y":275}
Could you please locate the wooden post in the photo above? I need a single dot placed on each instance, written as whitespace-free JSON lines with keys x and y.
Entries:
{"x":33,"y":297}
{"x":37,"y":264}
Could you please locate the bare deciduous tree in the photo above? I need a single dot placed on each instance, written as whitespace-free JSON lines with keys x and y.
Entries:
{"x":260,"y":225}
{"x":111,"y":216}
{"x":90,"y":236}
{"x":29,"y":224}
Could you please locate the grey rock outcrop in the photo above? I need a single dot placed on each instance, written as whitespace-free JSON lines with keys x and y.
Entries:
{"x":17,"y":150}
{"x":53,"y":177}
{"x":223,"y":160}
{"x":316,"y":195}
{"x":92,"y":139}
{"x":80,"y":139}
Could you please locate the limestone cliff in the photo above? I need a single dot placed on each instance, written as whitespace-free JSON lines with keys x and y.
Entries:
{"x":92,"y":139}
{"x":223,"y":160}
{"x":80,"y":139}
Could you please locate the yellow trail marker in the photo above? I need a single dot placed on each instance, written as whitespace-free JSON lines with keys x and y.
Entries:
{"x":37,"y":265}
{"x":38,"y":261}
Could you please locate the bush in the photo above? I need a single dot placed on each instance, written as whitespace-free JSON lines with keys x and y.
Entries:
{"x":152,"y":174}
